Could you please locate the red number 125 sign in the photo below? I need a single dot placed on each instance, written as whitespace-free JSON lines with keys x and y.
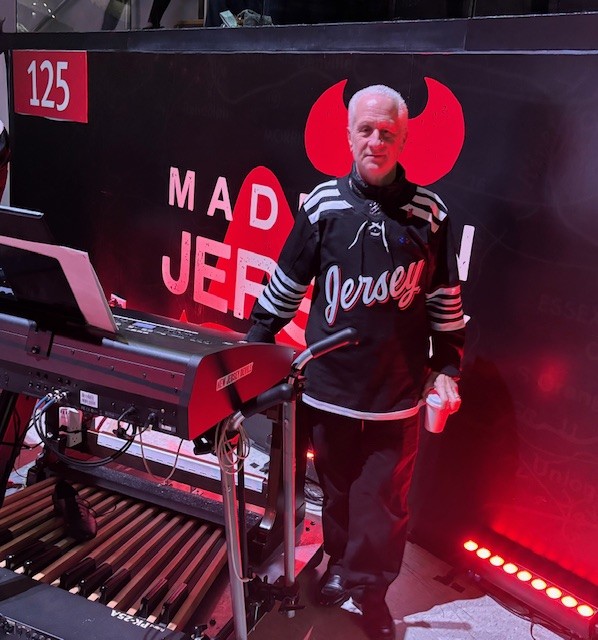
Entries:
{"x":52,"y":84}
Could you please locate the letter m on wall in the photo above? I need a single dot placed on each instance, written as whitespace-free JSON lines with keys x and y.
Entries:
{"x":181,"y":193}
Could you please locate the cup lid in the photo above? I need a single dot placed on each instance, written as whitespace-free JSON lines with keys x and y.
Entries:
{"x":433,"y":399}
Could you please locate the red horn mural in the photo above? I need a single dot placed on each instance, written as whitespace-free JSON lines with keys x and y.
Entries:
{"x":435,"y":139}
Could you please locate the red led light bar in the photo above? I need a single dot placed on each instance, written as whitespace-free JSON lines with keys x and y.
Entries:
{"x":547,"y":598}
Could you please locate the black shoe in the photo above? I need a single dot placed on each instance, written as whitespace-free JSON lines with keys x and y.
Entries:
{"x":377,"y":621}
{"x":333,"y":591}
{"x":78,"y":516}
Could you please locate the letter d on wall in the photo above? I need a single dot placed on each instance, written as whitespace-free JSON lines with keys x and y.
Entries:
{"x":266,"y":223}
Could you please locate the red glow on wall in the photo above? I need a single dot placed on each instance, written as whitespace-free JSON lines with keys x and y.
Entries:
{"x":326,"y":141}
{"x":552,"y":377}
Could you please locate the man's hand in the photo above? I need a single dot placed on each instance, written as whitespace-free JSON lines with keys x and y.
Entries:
{"x":445,"y":387}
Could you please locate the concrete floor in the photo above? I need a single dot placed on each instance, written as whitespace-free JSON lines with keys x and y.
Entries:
{"x":423,"y":607}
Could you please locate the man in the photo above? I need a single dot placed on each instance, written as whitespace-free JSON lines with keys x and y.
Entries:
{"x":381,"y":253}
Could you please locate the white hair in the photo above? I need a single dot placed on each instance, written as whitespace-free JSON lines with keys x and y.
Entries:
{"x":380,"y":90}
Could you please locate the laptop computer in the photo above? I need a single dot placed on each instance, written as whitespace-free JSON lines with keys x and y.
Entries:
{"x":52,"y":285}
{"x":25,"y":224}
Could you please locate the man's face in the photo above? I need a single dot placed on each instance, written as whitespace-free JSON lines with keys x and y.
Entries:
{"x":376,"y":138}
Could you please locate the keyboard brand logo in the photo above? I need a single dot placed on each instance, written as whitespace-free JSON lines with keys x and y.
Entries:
{"x":233,"y":377}
{"x":138,"y":622}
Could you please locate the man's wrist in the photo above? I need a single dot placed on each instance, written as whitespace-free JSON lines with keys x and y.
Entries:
{"x":259,"y":333}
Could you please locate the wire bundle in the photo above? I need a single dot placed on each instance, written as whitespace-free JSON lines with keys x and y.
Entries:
{"x":231,"y":451}
{"x":55,"y":397}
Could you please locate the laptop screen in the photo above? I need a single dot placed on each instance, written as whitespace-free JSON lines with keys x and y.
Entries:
{"x":24,"y":224}
{"x":54,"y":286}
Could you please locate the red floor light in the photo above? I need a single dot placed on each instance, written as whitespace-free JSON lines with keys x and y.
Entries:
{"x":569,"y":601}
{"x":524,"y":576}
{"x":553,"y":602}
{"x":470,"y":545}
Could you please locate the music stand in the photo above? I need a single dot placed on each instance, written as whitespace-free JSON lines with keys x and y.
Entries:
{"x":24,"y":224}
{"x":54,"y":286}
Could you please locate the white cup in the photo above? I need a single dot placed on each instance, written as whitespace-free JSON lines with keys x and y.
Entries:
{"x":437,"y":412}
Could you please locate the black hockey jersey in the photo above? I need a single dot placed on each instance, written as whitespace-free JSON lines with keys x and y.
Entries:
{"x":383,"y":261}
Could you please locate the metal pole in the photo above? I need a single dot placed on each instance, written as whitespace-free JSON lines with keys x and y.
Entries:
{"x":10,"y":432}
{"x":289,"y":473}
{"x":233,"y":550}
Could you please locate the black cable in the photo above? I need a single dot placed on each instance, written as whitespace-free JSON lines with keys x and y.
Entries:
{"x":242,"y":516}
{"x":41,"y":408}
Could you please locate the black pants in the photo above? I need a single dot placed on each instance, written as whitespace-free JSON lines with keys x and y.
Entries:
{"x":365,"y":469}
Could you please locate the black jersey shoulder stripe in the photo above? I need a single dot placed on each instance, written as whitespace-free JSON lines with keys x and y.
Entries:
{"x":444,"y":315}
{"x":282,"y":295}
{"x":421,"y":191}
{"x":276,"y":306}
{"x":445,"y":310}
{"x":448,"y":326}
{"x":427,"y":206}
{"x":317,"y":193}
{"x":328,"y":207}
{"x":430,"y":206}
{"x":286,"y":283}
{"x":424,"y":214}
{"x":284,"y":292}
{"x":325,"y":197}
{"x":274,"y":309}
